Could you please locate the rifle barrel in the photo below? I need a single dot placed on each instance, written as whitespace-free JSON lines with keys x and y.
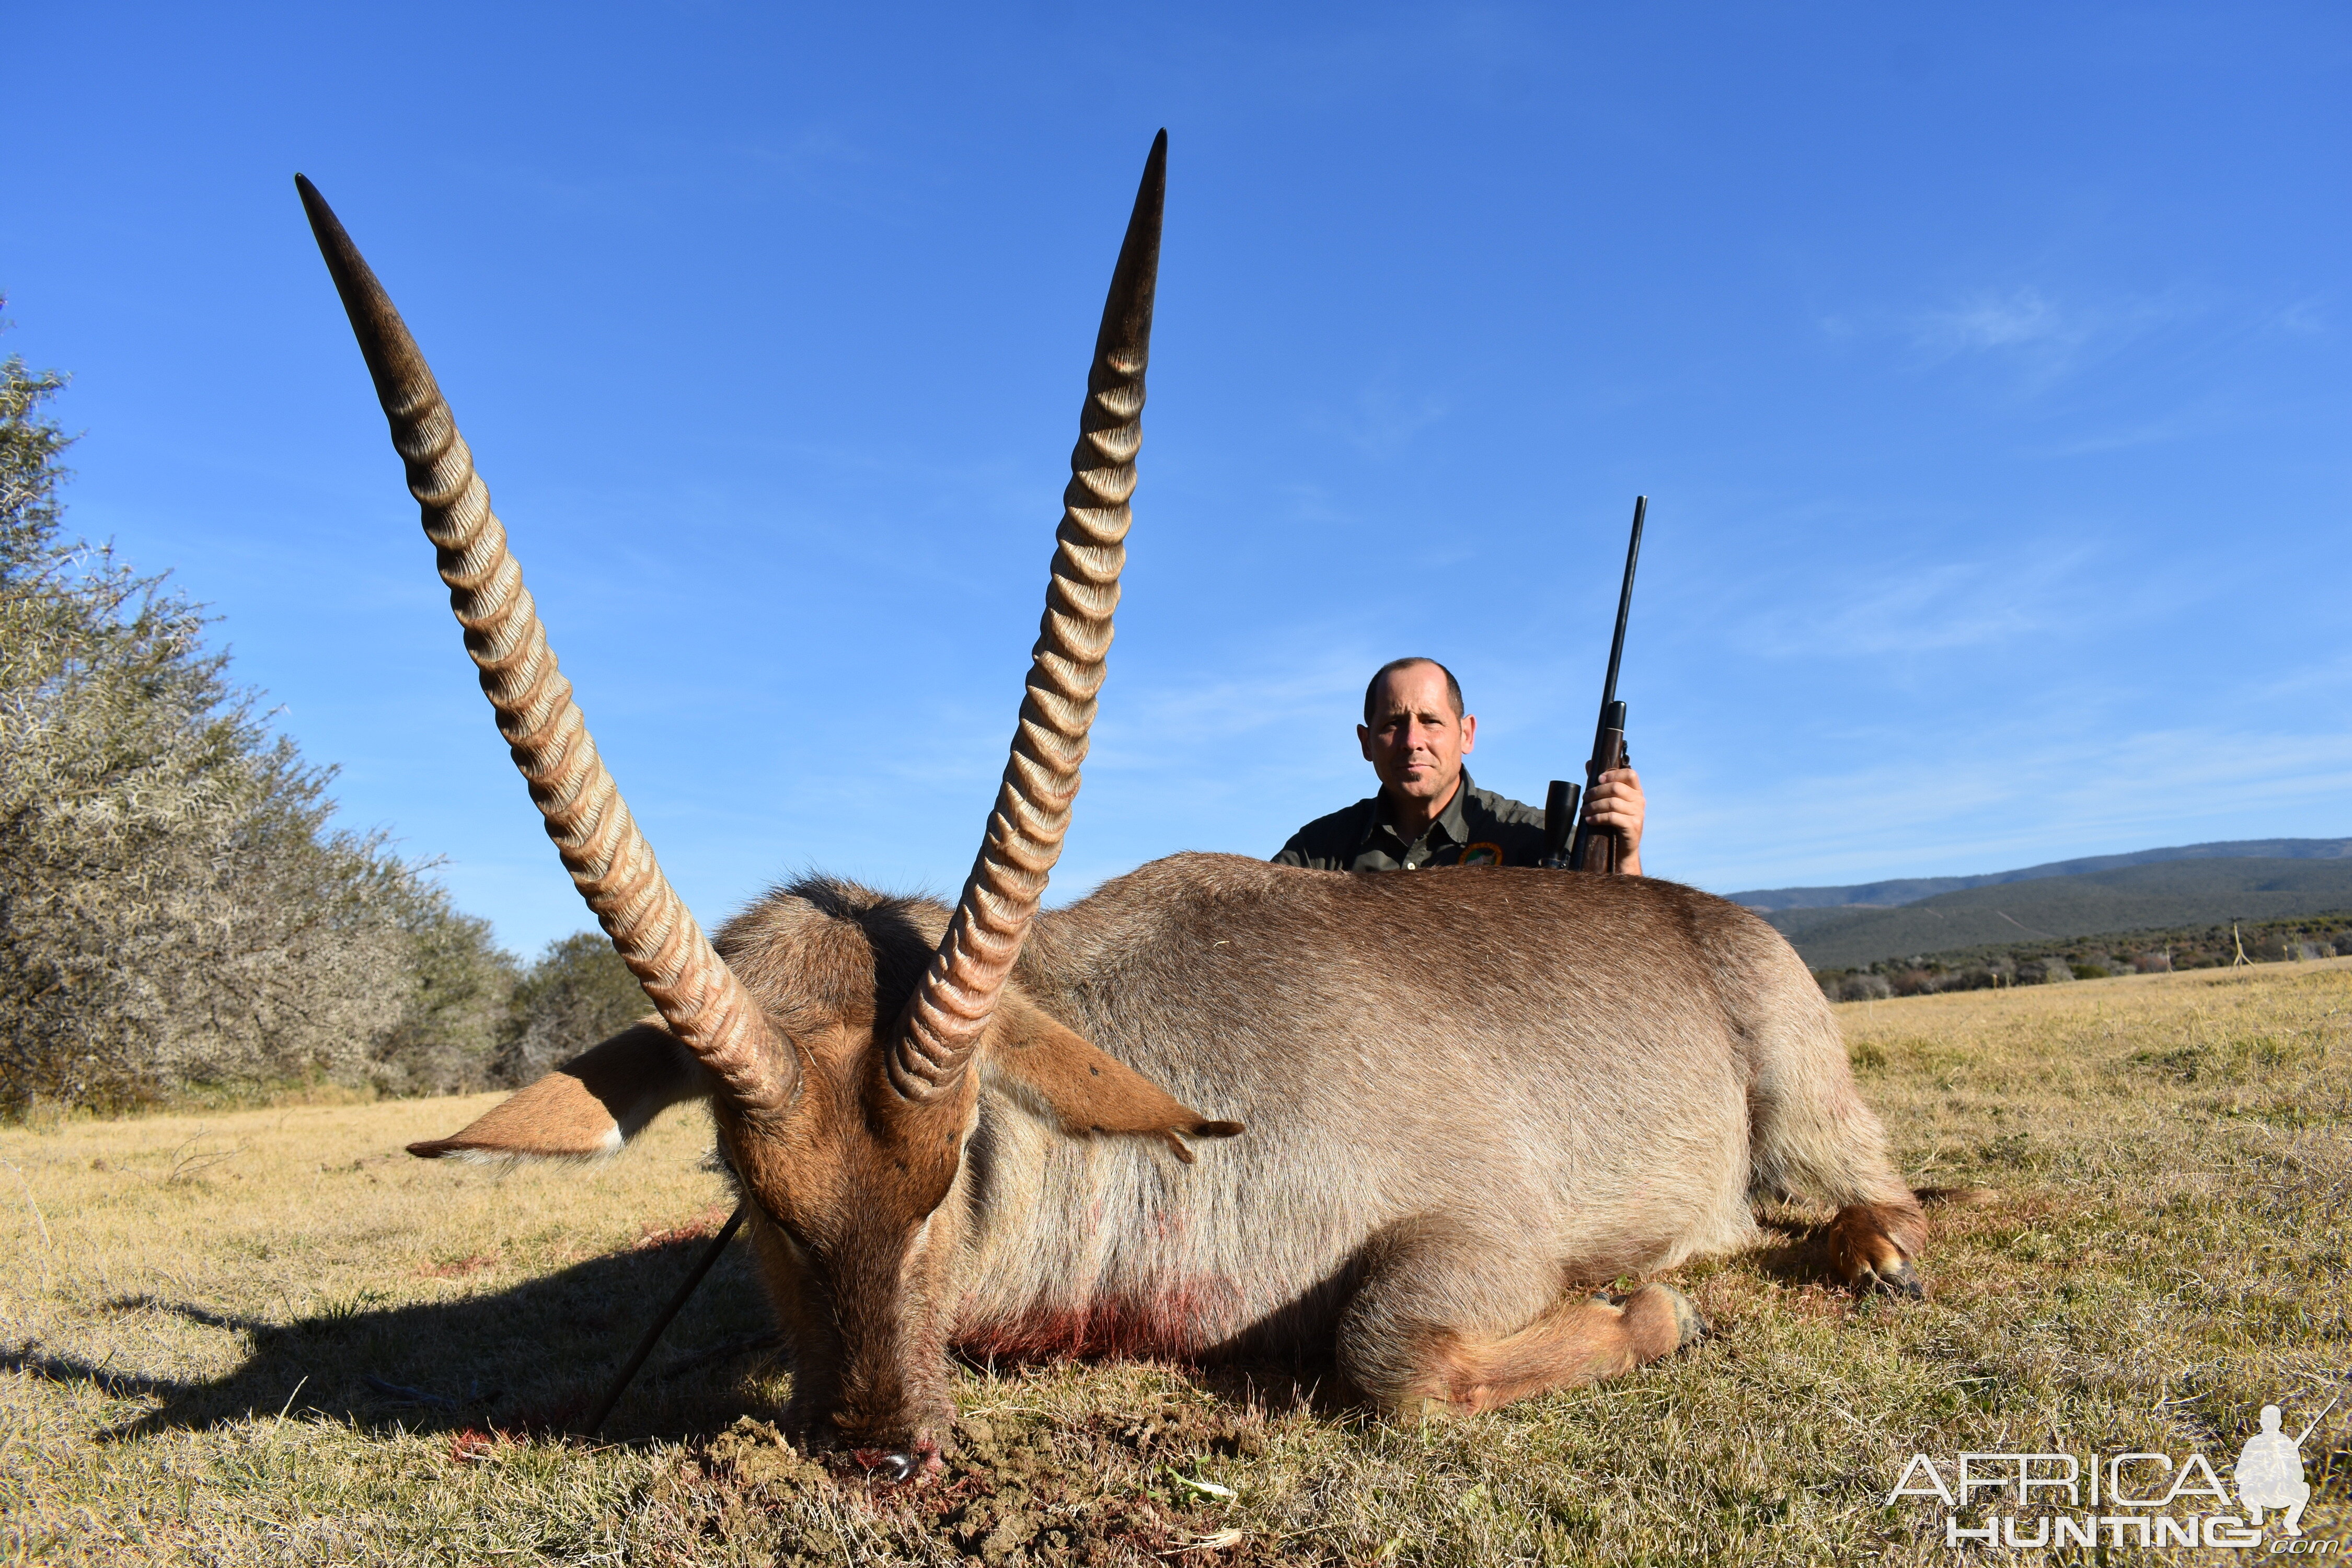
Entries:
{"x":1625,"y":603}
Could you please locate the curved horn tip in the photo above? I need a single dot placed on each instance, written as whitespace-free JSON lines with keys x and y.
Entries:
{"x":1151,"y":191}
{"x":314,"y":206}
{"x":1155,"y":176}
{"x":394,"y":362}
{"x":1126,"y":330}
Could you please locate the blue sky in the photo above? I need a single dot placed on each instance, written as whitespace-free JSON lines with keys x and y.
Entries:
{"x":1986,"y":368}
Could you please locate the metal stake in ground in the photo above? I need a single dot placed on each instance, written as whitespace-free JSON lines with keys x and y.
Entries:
{"x":653,"y":1335}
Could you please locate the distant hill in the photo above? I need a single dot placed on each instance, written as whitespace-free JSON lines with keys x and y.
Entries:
{"x":2184,"y":888}
{"x":1910,"y":889}
{"x":2026,"y":961}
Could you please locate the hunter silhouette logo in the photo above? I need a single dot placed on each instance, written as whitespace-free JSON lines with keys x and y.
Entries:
{"x":2139,"y":1498}
{"x":2270,"y":1472}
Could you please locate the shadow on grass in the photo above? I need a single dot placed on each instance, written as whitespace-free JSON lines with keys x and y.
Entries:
{"x":533,"y":1357}
{"x":1794,"y":1251}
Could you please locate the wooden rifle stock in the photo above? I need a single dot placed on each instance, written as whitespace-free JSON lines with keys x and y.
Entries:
{"x":1602,"y":848}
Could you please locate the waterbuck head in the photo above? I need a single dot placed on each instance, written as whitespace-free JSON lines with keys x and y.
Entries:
{"x":840,"y":1036}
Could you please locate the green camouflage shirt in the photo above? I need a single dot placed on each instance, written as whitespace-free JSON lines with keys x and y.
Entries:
{"x":1478,"y":828}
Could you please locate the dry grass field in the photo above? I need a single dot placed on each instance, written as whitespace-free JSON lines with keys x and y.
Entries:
{"x":268,"y":1336}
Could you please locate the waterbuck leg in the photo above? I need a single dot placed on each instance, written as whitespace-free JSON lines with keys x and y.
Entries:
{"x":1582,"y":1341}
{"x":1871,"y":1247}
{"x":1421,"y":1335}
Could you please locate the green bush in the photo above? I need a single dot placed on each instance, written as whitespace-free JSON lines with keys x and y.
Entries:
{"x":176,"y":909}
{"x":577,"y":993}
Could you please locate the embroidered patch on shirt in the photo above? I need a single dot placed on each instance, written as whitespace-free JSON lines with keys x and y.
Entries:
{"x":1481,"y":855}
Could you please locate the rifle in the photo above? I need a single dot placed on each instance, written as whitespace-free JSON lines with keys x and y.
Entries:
{"x":1596,"y":848}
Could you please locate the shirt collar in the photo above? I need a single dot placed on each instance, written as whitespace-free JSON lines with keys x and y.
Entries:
{"x":1450,"y":822}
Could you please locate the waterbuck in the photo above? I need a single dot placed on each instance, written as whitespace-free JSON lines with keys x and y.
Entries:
{"x":1468,"y":1096}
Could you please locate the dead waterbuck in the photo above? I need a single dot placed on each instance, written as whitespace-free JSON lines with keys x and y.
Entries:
{"x":1470,"y":1097}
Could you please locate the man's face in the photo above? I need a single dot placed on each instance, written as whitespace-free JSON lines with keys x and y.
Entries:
{"x":1416,"y":740}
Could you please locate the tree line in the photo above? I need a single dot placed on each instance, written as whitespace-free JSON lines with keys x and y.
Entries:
{"x":2155,"y":951}
{"x":177,"y":908}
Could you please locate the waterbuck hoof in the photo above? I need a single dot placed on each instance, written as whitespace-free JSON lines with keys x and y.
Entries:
{"x":1689,"y":1327}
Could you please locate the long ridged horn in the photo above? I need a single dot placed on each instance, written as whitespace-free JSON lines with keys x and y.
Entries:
{"x":610,"y":861}
{"x":949,"y":1011}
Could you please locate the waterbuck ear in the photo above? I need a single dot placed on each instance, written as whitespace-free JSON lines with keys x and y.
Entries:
{"x":591,"y":1105}
{"x":1088,"y":1090}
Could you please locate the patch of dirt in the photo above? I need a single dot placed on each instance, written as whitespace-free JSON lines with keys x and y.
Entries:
{"x":1014,"y":1492}
{"x":458,"y":1268}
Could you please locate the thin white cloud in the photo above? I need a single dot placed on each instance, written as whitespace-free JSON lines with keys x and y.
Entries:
{"x":2023,"y":316}
{"x":2304,"y":319}
{"x":2043,"y":336}
{"x":1908,"y":608}
{"x":1310,"y":689}
{"x":2325,"y":677}
{"x":1381,"y":420}
{"x":2011,"y":801}
{"x":2173,"y":425}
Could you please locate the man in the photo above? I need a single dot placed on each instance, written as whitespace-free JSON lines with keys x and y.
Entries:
{"x":1427,"y":812}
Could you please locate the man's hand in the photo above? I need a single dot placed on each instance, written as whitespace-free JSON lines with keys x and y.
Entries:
{"x":1616,"y":804}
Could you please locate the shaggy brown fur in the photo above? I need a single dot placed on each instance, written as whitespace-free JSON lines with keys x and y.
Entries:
{"x":1469,"y":1097}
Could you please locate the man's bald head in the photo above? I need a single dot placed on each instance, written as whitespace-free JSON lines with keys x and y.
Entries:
{"x":1397,"y":665}
{"x":1414,"y":732}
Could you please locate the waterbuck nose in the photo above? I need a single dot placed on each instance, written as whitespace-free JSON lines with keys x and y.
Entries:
{"x":900,"y":1466}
